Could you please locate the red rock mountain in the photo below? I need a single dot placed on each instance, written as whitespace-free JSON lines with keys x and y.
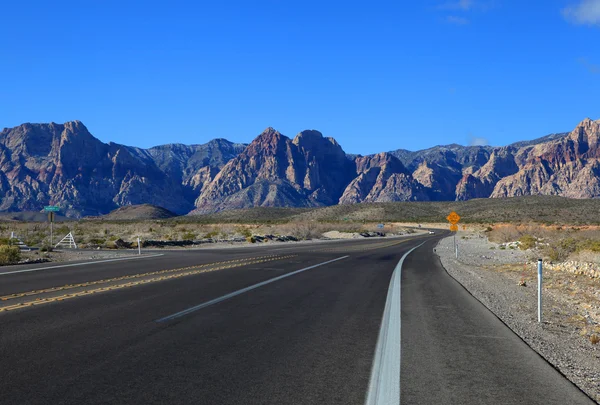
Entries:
{"x":64,"y":164}
{"x":276,"y":171}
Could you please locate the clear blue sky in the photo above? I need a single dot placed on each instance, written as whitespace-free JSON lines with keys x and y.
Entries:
{"x":375,"y":75}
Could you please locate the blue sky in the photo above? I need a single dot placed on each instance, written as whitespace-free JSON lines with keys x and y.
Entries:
{"x":376,"y":75}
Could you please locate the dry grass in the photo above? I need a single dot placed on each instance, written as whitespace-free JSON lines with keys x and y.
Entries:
{"x":548,"y":210}
{"x":104,"y":233}
{"x":577,"y":299}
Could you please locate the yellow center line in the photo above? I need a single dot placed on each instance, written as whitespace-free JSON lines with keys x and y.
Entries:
{"x":131,"y":276}
{"x":38,"y":301}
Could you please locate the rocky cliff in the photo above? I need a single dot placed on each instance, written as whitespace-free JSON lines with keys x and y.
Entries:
{"x":64,"y":164}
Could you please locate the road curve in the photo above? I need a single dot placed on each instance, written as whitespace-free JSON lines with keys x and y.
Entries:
{"x":294,"y":324}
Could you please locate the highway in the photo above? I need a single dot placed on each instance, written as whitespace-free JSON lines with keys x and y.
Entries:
{"x":325,"y":323}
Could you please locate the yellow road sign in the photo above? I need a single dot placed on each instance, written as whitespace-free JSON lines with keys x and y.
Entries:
{"x":454,"y":227}
{"x":453,"y":218}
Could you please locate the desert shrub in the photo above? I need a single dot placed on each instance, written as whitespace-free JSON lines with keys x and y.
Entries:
{"x":307,"y":230}
{"x":9,"y":254}
{"x":555,"y":254}
{"x":527,"y":242}
{"x":590,"y":245}
{"x":211,"y":234}
{"x":188,"y":236}
{"x":251,"y":239}
{"x":245,"y":232}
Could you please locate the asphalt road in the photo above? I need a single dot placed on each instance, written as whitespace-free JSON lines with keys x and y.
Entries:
{"x":109,"y":333}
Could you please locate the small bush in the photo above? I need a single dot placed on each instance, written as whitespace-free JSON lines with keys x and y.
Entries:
{"x":9,"y":254}
{"x":489,"y":229}
{"x":245,"y":232}
{"x":251,"y":239}
{"x":188,"y":236}
{"x":554,"y":254}
{"x":594,"y":339}
{"x":211,"y":235}
{"x":527,"y":242}
{"x":46,"y":248}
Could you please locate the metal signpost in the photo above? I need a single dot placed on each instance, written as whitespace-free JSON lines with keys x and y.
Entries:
{"x":453,"y":218}
{"x":540,"y":279}
{"x":51,"y":209}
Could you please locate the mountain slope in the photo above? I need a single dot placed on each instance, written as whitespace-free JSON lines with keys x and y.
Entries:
{"x":64,"y":164}
{"x":274,"y":170}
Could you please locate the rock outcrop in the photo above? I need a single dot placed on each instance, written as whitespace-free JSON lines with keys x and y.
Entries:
{"x":275,"y":171}
{"x":63,"y":164}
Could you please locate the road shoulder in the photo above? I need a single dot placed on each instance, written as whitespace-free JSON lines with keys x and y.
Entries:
{"x":556,"y":340}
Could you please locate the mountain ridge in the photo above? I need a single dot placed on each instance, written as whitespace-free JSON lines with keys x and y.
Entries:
{"x":65,"y":164}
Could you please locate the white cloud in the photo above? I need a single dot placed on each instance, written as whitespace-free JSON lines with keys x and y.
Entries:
{"x":586,"y":12}
{"x":457,"y":5}
{"x":452,"y":19}
{"x":591,"y":67}
{"x":468,"y":5}
{"x":477,"y":141}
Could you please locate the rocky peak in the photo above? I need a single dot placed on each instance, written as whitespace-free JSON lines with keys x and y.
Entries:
{"x":269,"y":142}
{"x":383,"y":159}
{"x":587,"y":132}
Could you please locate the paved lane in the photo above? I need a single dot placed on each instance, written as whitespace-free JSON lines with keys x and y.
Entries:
{"x":305,"y":339}
{"x":309,"y":338}
{"x":455,"y":351}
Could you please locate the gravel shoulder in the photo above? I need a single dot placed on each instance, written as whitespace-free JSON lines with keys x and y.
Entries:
{"x":571,"y":308}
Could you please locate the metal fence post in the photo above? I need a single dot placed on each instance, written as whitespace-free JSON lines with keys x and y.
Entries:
{"x":139,"y":247}
{"x":540,"y":278}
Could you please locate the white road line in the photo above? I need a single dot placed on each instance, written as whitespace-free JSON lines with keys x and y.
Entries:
{"x":81,"y":264}
{"x":243,"y":290}
{"x":384,"y":386}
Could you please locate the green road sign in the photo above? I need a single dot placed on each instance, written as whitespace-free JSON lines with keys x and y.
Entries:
{"x":52,"y":208}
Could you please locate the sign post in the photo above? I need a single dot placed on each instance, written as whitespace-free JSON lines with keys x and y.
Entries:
{"x":453,"y":218}
{"x":51,"y":209}
{"x":540,"y":279}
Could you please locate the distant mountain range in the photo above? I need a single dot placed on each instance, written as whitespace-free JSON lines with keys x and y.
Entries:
{"x":42,"y":164}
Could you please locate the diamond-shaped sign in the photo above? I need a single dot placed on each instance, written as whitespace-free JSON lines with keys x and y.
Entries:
{"x":453,"y":218}
{"x":454,"y":228}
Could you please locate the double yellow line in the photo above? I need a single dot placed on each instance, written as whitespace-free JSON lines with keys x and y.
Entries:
{"x":136,"y":279}
{"x":362,"y":248}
